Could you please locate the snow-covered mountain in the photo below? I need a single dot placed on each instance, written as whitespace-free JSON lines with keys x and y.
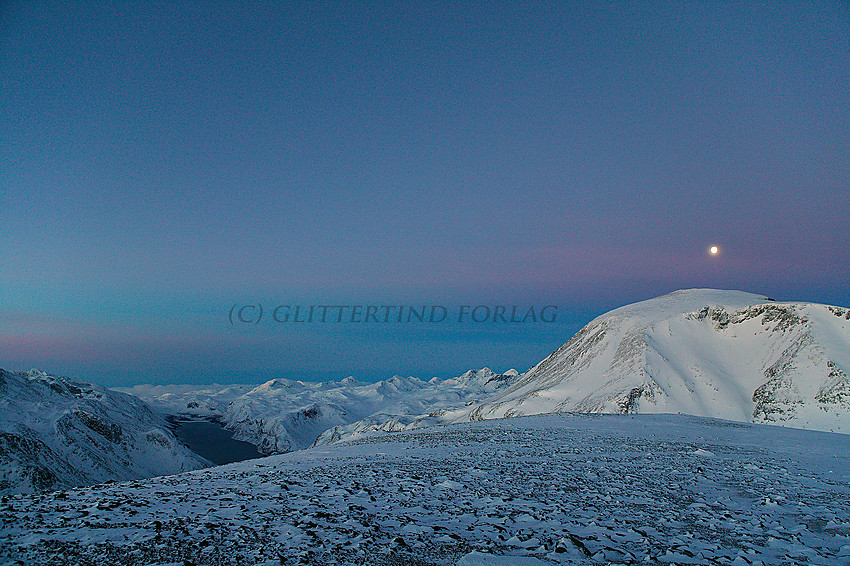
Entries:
{"x":704,"y":352}
{"x":282,"y":415}
{"x":56,"y":433}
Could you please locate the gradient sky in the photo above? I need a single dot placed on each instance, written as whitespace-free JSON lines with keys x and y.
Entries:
{"x":163,"y":161}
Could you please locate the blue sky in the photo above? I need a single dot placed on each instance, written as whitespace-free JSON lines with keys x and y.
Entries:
{"x":162,"y":161}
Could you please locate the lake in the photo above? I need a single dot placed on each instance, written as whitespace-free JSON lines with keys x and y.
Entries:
{"x":212,"y":441}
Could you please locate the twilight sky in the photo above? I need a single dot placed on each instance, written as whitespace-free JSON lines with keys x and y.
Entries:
{"x":161,"y":162}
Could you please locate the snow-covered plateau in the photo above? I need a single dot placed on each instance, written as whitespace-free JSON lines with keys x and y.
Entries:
{"x":548,"y":489}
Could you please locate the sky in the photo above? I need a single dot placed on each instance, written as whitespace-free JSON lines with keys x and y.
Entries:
{"x":165,"y":164}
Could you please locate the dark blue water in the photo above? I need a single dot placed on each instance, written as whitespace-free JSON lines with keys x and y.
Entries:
{"x":213,"y":442}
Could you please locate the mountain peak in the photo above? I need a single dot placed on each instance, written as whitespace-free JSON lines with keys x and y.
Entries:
{"x":705,"y":352}
{"x":687,"y":300}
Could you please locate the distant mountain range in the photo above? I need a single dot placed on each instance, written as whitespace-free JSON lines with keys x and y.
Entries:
{"x":282,"y":415}
{"x":703,"y":352}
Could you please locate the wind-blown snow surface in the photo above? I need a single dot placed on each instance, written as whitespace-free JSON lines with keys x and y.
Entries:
{"x":705,"y":352}
{"x":56,"y":433}
{"x":579,"y":489}
{"x":282,"y":415}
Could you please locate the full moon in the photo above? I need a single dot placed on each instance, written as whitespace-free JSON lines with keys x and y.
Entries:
{"x":713,"y":250}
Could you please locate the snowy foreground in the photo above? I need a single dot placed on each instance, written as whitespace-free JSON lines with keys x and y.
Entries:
{"x":571,"y":489}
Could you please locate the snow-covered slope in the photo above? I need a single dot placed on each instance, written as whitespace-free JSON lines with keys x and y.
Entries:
{"x":724,"y":354}
{"x":56,"y":433}
{"x":543,"y":490}
{"x":704,"y":352}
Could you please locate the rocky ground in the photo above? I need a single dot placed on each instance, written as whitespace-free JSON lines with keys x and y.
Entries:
{"x":573,"y":489}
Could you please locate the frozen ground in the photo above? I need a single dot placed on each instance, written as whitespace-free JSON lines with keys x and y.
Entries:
{"x":582,"y":489}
